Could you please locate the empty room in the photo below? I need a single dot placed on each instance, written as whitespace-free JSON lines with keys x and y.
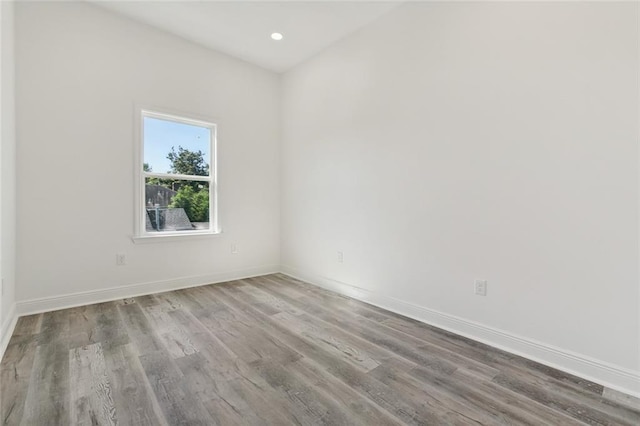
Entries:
{"x":319,"y":213}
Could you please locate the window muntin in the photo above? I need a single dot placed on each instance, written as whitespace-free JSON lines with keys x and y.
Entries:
{"x":177,"y":176}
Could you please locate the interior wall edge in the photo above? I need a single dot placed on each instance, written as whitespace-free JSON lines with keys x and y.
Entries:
{"x":6,"y":330}
{"x":608,"y":375}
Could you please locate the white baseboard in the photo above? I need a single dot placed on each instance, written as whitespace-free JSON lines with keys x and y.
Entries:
{"x":7,"y":328}
{"x":608,"y":375}
{"x":53,"y":303}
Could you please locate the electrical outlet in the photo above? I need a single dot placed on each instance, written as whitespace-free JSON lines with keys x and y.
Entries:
{"x":234,"y":248}
{"x":340,"y":257}
{"x":481,"y":287}
{"x":121,"y":259}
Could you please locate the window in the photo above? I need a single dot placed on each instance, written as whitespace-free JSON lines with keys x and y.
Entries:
{"x":176,"y":170}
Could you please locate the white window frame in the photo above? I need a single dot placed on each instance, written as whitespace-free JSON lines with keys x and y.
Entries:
{"x":140,"y":229}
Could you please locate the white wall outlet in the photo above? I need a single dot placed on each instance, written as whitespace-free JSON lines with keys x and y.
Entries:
{"x":340,"y":257}
{"x":480,"y":287}
{"x":234,"y":248}
{"x":121,"y":259}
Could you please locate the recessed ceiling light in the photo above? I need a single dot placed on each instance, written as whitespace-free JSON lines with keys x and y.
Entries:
{"x":276,"y":36}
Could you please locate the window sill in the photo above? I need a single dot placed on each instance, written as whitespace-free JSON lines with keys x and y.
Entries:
{"x":167,"y":237}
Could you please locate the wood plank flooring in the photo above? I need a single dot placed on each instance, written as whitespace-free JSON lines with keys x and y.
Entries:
{"x":275,"y":351}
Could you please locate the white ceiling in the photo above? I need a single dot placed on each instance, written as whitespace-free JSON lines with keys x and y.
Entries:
{"x":243,"y":28}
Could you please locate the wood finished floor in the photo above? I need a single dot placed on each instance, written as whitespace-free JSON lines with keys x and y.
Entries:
{"x":275,"y":351}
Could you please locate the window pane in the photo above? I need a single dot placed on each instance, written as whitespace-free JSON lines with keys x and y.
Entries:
{"x":171,"y":147}
{"x":176,"y":205}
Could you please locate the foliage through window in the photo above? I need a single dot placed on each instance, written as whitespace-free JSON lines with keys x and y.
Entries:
{"x":177,"y":175}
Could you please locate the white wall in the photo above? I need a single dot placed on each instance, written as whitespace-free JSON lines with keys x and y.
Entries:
{"x":7,"y":169}
{"x":79,"y":72}
{"x":498,"y":141}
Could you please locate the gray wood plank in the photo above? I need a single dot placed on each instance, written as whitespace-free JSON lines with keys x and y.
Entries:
{"x":82,"y":325}
{"x":91,"y":396}
{"x":174,"y":338}
{"x":222,"y":360}
{"x":140,"y":331}
{"x":47,"y":400}
{"x":28,"y":325}
{"x":110,"y":329}
{"x":168,"y":301}
{"x":133,"y":397}
{"x":178,"y":404}
{"x":15,"y":373}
